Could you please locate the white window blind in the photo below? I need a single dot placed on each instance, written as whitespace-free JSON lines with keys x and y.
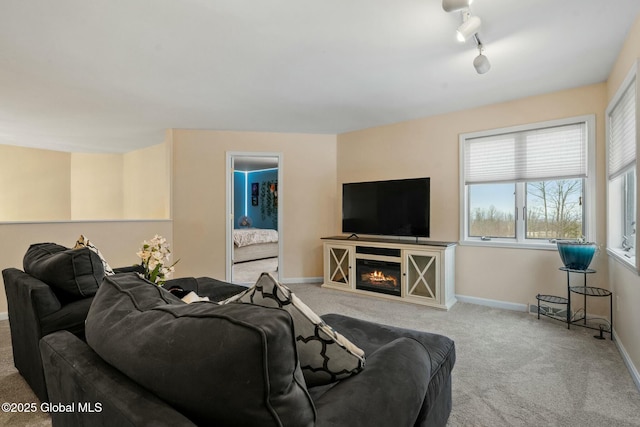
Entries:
{"x":558,"y":152}
{"x":622,"y":133}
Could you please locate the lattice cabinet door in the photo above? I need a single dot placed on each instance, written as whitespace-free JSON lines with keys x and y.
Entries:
{"x":422,"y":275}
{"x":338,"y":264}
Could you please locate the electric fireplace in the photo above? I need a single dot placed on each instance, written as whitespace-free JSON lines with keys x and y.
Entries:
{"x":378,"y":276}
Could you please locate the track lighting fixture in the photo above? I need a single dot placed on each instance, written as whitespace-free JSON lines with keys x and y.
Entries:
{"x":481,"y":63}
{"x":454,"y":5}
{"x":470,"y":26}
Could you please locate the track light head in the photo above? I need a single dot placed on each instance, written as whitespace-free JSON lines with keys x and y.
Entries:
{"x":469,"y":27}
{"x":454,"y":5}
{"x":481,"y":63}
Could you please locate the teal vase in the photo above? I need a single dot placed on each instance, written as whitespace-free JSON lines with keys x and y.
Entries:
{"x":575,"y":255}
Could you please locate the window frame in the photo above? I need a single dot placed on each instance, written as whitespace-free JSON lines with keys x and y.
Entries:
{"x":520,"y":241}
{"x":616,"y":193}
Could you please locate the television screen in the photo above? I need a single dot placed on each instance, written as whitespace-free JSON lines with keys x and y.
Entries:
{"x":390,"y":208}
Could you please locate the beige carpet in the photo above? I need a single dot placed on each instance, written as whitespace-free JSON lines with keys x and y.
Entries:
{"x":14,"y":389}
{"x":249,"y":272}
{"x":511,"y":369}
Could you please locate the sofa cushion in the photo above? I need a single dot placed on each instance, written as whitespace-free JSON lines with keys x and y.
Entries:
{"x":371,"y":336}
{"x":390,"y":392}
{"x":325,"y":355}
{"x":70,"y":317}
{"x":218,"y":365}
{"x":73,"y":273}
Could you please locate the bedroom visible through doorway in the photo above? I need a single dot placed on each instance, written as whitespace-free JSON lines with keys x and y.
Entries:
{"x":253,"y":234}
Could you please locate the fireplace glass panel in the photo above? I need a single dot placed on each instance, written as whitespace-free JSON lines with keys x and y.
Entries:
{"x":378,"y":276}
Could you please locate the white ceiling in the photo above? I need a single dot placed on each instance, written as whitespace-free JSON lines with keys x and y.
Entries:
{"x":111,"y":75}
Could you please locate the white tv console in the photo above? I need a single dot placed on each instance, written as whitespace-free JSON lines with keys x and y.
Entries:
{"x":426,"y":269}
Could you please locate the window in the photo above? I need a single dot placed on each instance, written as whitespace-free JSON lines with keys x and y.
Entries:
{"x":622,"y":172}
{"x":528,"y":185}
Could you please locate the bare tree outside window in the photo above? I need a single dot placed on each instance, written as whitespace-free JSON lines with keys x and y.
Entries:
{"x":491,"y":222}
{"x":554,"y":209}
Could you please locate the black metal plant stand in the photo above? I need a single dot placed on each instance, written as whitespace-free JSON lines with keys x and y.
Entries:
{"x":585,"y":291}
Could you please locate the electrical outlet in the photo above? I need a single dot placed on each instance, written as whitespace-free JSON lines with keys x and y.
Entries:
{"x":617,"y":303}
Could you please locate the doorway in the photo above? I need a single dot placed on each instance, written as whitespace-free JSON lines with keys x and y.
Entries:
{"x":254,"y":226}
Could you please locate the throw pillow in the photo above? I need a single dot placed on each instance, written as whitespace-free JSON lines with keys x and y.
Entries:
{"x":325,"y":355}
{"x":83,"y":242}
{"x":72,"y":273}
{"x":237,"y":363}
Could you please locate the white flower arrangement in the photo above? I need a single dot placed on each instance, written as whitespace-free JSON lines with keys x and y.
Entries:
{"x":155,"y":256}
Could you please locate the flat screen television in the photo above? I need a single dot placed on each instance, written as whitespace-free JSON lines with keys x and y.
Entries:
{"x":390,"y":208}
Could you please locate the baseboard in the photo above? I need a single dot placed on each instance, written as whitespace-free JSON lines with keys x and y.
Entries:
{"x":492,"y":303}
{"x":302,"y":280}
{"x":627,"y":361}
{"x":4,"y":316}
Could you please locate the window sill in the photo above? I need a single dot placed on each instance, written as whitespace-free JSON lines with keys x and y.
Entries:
{"x":511,"y":245}
{"x":623,"y":258}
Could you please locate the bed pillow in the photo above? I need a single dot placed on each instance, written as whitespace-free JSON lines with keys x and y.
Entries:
{"x":325,"y":355}
{"x":72,"y":273}
{"x":229,"y":365}
{"x":83,"y":242}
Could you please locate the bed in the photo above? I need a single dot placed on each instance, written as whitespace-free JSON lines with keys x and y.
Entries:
{"x":250,"y":244}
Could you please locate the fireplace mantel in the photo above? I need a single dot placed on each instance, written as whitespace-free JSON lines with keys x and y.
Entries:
{"x":426,"y":268}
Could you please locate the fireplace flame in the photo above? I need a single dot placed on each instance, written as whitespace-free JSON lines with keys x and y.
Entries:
{"x":380,"y":277}
{"x":377,"y":276}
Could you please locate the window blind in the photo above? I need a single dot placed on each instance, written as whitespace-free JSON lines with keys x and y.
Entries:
{"x":622,"y":133}
{"x":558,"y":152}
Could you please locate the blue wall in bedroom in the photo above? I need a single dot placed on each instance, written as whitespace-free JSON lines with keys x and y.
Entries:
{"x":239,"y":195}
{"x":254,"y":212}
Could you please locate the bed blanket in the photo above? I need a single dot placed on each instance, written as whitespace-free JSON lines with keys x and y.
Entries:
{"x":252,"y":236}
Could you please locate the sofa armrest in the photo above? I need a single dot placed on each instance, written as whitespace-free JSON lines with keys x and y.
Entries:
{"x":389,"y":391}
{"x":29,"y":300}
{"x":24,"y":287}
{"x":129,"y":269}
{"x":75,"y":374}
{"x":217,"y":290}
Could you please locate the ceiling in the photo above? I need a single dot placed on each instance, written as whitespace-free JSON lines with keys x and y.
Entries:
{"x":112,"y":75}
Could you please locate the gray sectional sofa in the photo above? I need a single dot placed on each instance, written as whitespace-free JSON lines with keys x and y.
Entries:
{"x":150,"y":359}
{"x":54,"y":291}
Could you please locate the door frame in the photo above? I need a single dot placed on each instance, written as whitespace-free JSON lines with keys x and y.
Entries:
{"x":230,"y":215}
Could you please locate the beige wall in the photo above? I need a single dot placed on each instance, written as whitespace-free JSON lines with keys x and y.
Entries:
{"x":625,"y":283}
{"x":147,"y":181}
{"x":47,"y":185}
{"x":118,"y":240}
{"x":96,"y":186}
{"x":57,"y":187}
{"x":429,"y":147}
{"x":306,"y":195}
{"x":34,"y":184}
